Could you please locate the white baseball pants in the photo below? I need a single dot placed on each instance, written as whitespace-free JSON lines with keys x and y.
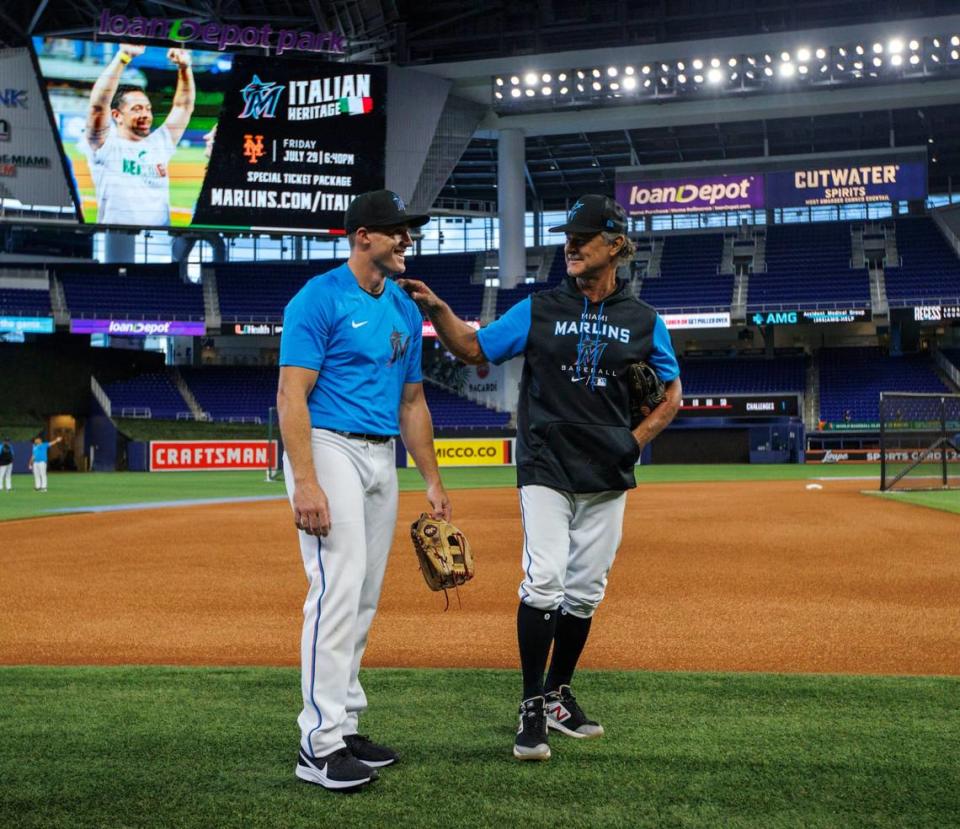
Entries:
{"x":345,"y":573}
{"x":6,"y":476}
{"x":569,"y":543}
{"x":40,"y":474}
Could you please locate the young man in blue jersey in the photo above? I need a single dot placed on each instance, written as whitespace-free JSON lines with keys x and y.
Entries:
{"x":350,"y":382}
{"x":576,"y":450}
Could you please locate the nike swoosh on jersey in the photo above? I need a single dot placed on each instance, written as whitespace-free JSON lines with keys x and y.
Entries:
{"x":358,"y":324}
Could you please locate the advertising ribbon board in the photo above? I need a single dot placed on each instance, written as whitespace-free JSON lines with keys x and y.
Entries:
{"x":847,"y":184}
{"x":206,"y":455}
{"x":691,"y":195}
{"x":26,"y":325}
{"x":472,"y":452}
{"x":138,"y":328}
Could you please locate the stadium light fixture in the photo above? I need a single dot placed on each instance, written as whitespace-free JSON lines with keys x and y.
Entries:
{"x":895,"y":46}
{"x":878,"y":48}
{"x":546,"y":77}
{"x":515,"y":80}
{"x":787,"y":70}
{"x":803,"y":55}
{"x":698,"y":78}
{"x":630,"y":83}
{"x":697,"y":63}
{"x":802,"y":69}
{"x":914,"y":59}
{"x":821,"y":54}
{"x":546,"y":91}
{"x":715,"y":62}
{"x":859,"y":49}
{"x":896,"y":60}
{"x":564,"y":90}
{"x":498,"y":95}
{"x":767,"y":71}
{"x":645,"y":69}
{"x":499,"y":81}
{"x":732,"y":63}
{"x":785,"y":57}
{"x":515,"y":92}
{"x":612,"y":71}
{"x":914,"y":45}
{"x":530,"y":93}
{"x":681,"y":78}
{"x":628,"y":70}
{"x":878,"y":61}
{"x":714,"y":75}
{"x":615,"y":86}
{"x":530,"y":79}
{"x":955,"y":40}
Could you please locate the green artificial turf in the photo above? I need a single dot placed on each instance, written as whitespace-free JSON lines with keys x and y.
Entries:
{"x":165,"y":747}
{"x":79,"y":491}
{"x":946,"y":500}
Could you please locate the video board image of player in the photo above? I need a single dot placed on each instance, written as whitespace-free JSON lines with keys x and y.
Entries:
{"x":137,"y":125}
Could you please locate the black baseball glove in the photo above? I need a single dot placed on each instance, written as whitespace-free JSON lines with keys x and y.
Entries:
{"x":646,"y":392}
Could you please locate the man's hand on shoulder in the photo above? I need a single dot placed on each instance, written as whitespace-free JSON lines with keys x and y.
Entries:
{"x":420,"y":293}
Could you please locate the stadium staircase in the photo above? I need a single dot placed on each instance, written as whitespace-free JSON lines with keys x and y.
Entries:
{"x":58,"y":302}
{"x":811,"y":397}
{"x":196,"y":411}
{"x":211,"y":300}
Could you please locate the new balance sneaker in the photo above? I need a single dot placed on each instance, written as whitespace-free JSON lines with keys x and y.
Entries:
{"x":531,"y":742}
{"x":339,"y":770}
{"x":566,"y":716}
{"x":373,"y":754}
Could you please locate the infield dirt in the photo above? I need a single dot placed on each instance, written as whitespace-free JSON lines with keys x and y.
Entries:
{"x":725,"y":577}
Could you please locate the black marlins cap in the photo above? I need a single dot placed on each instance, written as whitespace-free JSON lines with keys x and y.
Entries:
{"x":380,"y":208}
{"x":594,"y":213}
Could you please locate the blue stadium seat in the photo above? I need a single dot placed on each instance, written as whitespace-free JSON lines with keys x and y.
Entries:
{"x":688,"y":275}
{"x":144,"y":292}
{"x":24,"y":302}
{"x":743,"y":375}
{"x":930,"y":273}
{"x":851,"y":379}
{"x":808,"y":267}
{"x":153,"y":391}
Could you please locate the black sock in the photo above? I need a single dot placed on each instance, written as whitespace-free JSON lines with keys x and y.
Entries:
{"x":535,"y":632}
{"x":568,"y":642}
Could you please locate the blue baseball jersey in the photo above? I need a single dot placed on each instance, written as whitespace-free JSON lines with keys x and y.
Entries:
{"x":40,"y":452}
{"x":364,"y":347}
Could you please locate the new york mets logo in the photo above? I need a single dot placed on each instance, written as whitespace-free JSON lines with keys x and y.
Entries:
{"x":260,"y":99}
{"x":398,"y":346}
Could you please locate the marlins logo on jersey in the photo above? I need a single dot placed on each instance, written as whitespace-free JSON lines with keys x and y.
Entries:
{"x":398,"y":345}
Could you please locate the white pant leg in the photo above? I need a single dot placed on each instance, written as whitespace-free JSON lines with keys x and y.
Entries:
{"x":595,"y":535}
{"x":335,"y":567}
{"x":6,"y":476}
{"x":381,"y":517}
{"x":40,"y":474}
{"x":546,"y":514}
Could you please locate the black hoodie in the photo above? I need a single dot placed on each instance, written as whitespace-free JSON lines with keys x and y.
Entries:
{"x":573,"y":429}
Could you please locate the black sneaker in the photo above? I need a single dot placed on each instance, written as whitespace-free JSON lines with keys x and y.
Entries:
{"x":373,"y":754}
{"x":338,"y":770}
{"x":531,"y":742}
{"x":566,"y":716}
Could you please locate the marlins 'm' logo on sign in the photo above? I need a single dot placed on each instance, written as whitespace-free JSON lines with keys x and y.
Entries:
{"x":398,"y":346}
{"x":260,"y":99}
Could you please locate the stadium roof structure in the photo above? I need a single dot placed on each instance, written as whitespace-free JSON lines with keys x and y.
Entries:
{"x":576,"y":148}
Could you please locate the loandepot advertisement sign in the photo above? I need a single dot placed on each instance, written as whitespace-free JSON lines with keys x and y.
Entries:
{"x":139,"y":328}
{"x":213,"y":35}
{"x":472,"y":452}
{"x":827,"y":183}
